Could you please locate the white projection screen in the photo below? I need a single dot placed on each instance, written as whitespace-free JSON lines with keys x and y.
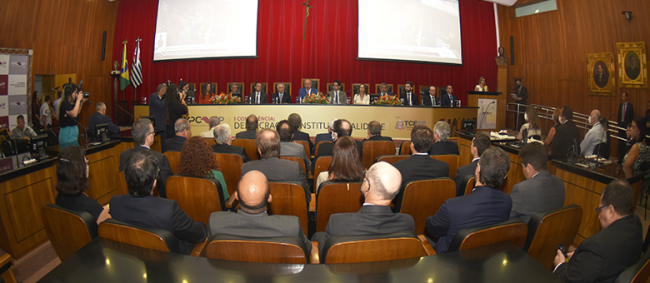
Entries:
{"x":205,"y":29}
{"x":410,"y":30}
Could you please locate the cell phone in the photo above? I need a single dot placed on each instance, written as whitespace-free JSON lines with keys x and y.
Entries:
{"x":563,"y":250}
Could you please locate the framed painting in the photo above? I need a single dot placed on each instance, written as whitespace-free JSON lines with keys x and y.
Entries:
{"x":600,"y":67}
{"x":632,"y":65}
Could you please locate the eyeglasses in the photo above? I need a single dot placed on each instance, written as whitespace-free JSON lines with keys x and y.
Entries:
{"x":600,"y":208}
{"x":367,"y":181}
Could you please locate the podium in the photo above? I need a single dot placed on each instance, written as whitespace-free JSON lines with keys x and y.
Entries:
{"x":499,"y":110}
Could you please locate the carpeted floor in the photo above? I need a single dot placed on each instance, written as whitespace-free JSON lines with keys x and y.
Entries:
{"x":34,"y":265}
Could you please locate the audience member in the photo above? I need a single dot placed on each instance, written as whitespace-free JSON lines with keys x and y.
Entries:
{"x":345,"y":166}
{"x":480,"y":144}
{"x":197,"y":160}
{"x":36,"y":107}
{"x":595,"y":136}
{"x":532,"y":125}
{"x":342,"y":128}
{"x":625,"y":117}
{"x":157,"y":106}
{"x":251,"y":128}
{"x":213,"y":123}
{"x":183,"y":132}
{"x":637,"y":160}
{"x":46,"y":113}
{"x":22,"y":131}
{"x":374,"y":134}
{"x":552,"y":131}
{"x":100,"y":117}
{"x":324,"y":136}
{"x":223,"y":139}
{"x":441,"y":144}
{"x":567,"y":134}
{"x":296,"y":121}
{"x":288,"y":148}
{"x":175,"y":108}
{"x":420,"y":165}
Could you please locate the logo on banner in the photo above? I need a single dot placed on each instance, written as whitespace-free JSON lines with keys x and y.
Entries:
{"x":3,"y":64}
{"x":16,"y":85}
{"x":3,"y":84}
{"x":3,"y":105}
{"x":17,"y":103}
{"x":202,"y":119}
{"x":399,"y":125}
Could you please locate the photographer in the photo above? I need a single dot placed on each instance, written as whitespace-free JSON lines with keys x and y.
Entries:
{"x":70,"y":108}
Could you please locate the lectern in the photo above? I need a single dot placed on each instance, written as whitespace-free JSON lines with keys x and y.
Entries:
{"x":497,"y":108}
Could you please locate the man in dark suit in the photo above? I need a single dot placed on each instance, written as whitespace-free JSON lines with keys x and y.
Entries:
{"x":324,"y":136}
{"x":521,"y":92}
{"x":410,"y":98}
{"x":141,"y":208}
{"x":374,"y":134}
{"x":143,"y":136}
{"x":383,"y":90}
{"x":448,"y":99}
{"x":183,"y":132}
{"x":100,"y":117}
{"x":566,"y":134}
{"x":306,"y":90}
{"x":625,"y":116}
{"x":431,"y":98}
{"x":420,"y":165}
{"x":480,"y":144}
{"x":484,"y":206}
{"x":251,"y":219}
{"x":441,"y":144}
{"x":604,"y":255}
{"x":258,"y":96}
{"x":275,"y":169}
{"x":336,"y":95}
{"x":296,"y":121}
{"x":251,"y":128}
{"x":235,"y":91}
{"x":281,"y":97}
{"x":157,"y":107}
{"x":223,"y":141}
{"x":541,"y":191}
{"x":379,"y":187}
{"x":288,"y":148}
{"x":342,"y":128}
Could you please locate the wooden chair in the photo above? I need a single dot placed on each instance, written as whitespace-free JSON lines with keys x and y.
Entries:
{"x":468,"y":185}
{"x":639,"y":272}
{"x":354,"y":249}
{"x":335,"y":197}
{"x":68,"y":230}
{"x":330,"y":87}
{"x":405,"y":148}
{"x":230,"y":166}
{"x":295,"y":159}
{"x":148,"y":238}
{"x":451,"y":160}
{"x":174,"y":157}
{"x":321,"y":164}
{"x":240,"y":90}
{"x":5,"y":268}
{"x":211,"y":142}
{"x":291,"y":250}
{"x":305,"y":144}
{"x":198,"y":197}
{"x":314,"y":83}
{"x":122,"y":188}
{"x":391,"y":158}
{"x":546,"y":230}
{"x":249,"y":146}
{"x":318,"y":145}
{"x":289,"y":199}
{"x":378,"y":89}
{"x":373,"y":149}
{"x":423,"y":198}
{"x":513,"y":230}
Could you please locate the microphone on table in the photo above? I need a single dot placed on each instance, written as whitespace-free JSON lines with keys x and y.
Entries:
{"x":85,"y":131}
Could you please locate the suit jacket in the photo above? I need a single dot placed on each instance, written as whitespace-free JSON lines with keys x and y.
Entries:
{"x":604,"y":255}
{"x":98,"y":119}
{"x":564,"y":136}
{"x":484,"y":206}
{"x":303,"y":92}
{"x":302,"y":136}
{"x":286,"y":98}
{"x":155,"y":212}
{"x":176,"y":144}
{"x":163,"y":165}
{"x":541,"y":193}
{"x":427,"y":100}
{"x":343,"y":98}
{"x":279,"y":170}
{"x":373,"y":138}
{"x":461,"y":172}
{"x":295,"y":149}
{"x":523,"y":93}
{"x":232,"y":149}
{"x":414,"y":99}
{"x":319,"y":138}
{"x":627,"y":117}
{"x":264,"y":98}
{"x":256,"y":225}
{"x":387,"y":92}
{"x":369,"y":220}
{"x":444,"y":147}
{"x":445,"y":102}
{"x":420,"y":167}
{"x":248,"y":134}
{"x":157,"y":109}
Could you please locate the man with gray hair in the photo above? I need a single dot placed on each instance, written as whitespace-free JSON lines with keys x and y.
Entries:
{"x":324,"y":136}
{"x":379,"y":187}
{"x":100,"y":117}
{"x":223,"y":139}
{"x":441,"y":144}
{"x":374,"y":134}
{"x":183,"y":132}
{"x":143,"y":136}
{"x":280,"y":97}
{"x":157,"y":106}
{"x":213,"y":123}
{"x":595,"y":136}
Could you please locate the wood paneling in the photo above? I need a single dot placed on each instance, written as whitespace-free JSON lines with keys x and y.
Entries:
{"x":102,"y":173}
{"x":515,"y":174}
{"x":464,"y":148}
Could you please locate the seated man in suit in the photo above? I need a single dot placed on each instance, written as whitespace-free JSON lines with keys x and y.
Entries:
{"x":595,"y":136}
{"x":251,"y":219}
{"x":251,"y":128}
{"x":336,"y":95}
{"x":223,"y":140}
{"x":374,"y":134}
{"x":441,"y":144}
{"x":379,"y":187}
{"x":448,"y":99}
{"x":420,"y":165}
{"x":141,"y":208}
{"x":235,"y":91}
{"x":274,"y":168}
{"x":383,"y":90}
{"x":99,"y":117}
{"x":431,"y":98}
{"x":288,"y":148}
{"x":484,"y":206}
{"x":296,"y":121}
{"x":410,"y":98}
{"x":604,"y":255}
{"x":324,"y":136}
{"x":566,"y":133}
{"x":143,"y":136}
{"x":258,"y":96}
{"x":183,"y":132}
{"x":342,"y":128}
{"x":281,"y":97}
{"x":541,"y":191}
{"x":213,"y":123}
{"x":306,"y":89}
{"x":480,"y":144}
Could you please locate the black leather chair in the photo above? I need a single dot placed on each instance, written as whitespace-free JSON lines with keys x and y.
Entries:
{"x":68,"y":230}
{"x":151,"y":238}
{"x":513,"y":230}
{"x":639,"y":272}
{"x":53,"y":139}
{"x":405,"y":245}
{"x":462,"y":190}
{"x":257,"y":249}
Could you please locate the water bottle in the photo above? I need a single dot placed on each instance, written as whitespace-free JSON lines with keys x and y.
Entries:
{"x":273,"y":101}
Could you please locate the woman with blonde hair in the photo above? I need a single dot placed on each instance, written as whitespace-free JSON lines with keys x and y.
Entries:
{"x":481,"y":86}
{"x":532,"y":124}
{"x":556,"y":119}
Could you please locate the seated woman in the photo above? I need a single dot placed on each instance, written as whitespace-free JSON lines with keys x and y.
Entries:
{"x":72,"y":175}
{"x":481,"y":85}
{"x":551,"y":132}
{"x":198,"y":160}
{"x":346,"y":165}
{"x":532,"y":124}
{"x":637,"y":160}
{"x":362,"y":97}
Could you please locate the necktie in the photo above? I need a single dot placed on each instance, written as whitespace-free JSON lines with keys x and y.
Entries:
{"x":624,"y":110}
{"x":280,"y":100}
{"x":309,"y":91}
{"x":409,"y":97}
{"x":337,"y":97}
{"x":257,"y":98}
{"x":451,"y":100}
{"x":431,"y":99}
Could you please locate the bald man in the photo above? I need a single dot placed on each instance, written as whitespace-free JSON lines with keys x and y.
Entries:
{"x":252,"y":220}
{"x":379,"y":187}
{"x":596,"y":135}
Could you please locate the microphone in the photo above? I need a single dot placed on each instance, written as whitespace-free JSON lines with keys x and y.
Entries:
{"x":85,"y":132}
{"x":485,"y":114}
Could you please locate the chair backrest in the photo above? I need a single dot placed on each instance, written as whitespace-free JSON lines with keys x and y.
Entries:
{"x":546,"y":230}
{"x":391,"y":158}
{"x":513,"y":230}
{"x":451,"y":160}
{"x":639,"y":272}
{"x":149,"y":238}
{"x":287,"y":88}
{"x":305,"y":144}
{"x":322,"y":163}
{"x":423,"y":198}
{"x":352,"y":249}
{"x":289,"y":199}
{"x":122,"y":188}
{"x":318,"y":145}
{"x":174,"y":157}
{"x":405,"y":148}
{"x":67,"y":229}
{"x":198,"y":197}
{"x":259,"y":249}
{"x":335,"y":197}
{"x":468,"y":184}
{"x":211,"y":141}
{"x":373,"y":149}
{"x":230,"y":167}
{"x":250,"y":147}
{"x":295,"y":159}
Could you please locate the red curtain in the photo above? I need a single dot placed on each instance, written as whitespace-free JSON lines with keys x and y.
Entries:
{"x":329,"y":52}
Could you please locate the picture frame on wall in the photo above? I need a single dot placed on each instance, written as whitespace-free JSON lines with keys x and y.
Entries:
{"x":632,"y":65}
{"x":601,"y":74}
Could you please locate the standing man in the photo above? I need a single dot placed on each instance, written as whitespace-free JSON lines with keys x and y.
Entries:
{"x":57,"y":103}
{"x":258,"y":96}
{"x":280,"y":97}
{"x":306,"y":90}
{"x":430,"y":100}
{"x":409,"y":97}
{"x":383,"y":88}
{"x":448,"y":99}
{"x":157,"y":109}
{"x":46,"y":113}
{"x":336,"y":95}
{"x":625,"y":116}
{"x":521,"y":92}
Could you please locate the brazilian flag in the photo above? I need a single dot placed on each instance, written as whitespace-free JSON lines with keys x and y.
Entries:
{"x":124,"y":77}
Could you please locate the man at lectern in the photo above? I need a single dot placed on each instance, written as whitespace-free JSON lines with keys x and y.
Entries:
{"x":448,"y":99}
{"x":430,"y":99}
{"x":409,"y":97}
{"x":258,"y":96}
{"x":306,"y":89}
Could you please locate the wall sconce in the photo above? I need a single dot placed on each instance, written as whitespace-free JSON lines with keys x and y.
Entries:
{"x":628,"y":15}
